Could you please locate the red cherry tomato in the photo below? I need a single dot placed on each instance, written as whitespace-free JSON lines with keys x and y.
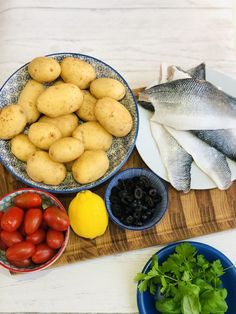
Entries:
{"x":43,"y":253}
{"x":22,"y":229}
{"x":1,"y":214}
{"x":56,"y":218}
{"x":55,"y":238}
{"x":44,"y":225}
{"x":28,"y":200}
{"x":21,"y":263}
{"x":20,"y":251}
{"x":33,"y":219}
{"x":12,"y":219}
{"x":10,"y":238}
{"x":37,"y":237}
{"x":3,"y":245}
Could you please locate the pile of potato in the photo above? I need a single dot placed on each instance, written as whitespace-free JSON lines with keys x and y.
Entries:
{"x":57,"y":141}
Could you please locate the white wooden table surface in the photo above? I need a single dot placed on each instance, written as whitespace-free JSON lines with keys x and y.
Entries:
{"x":133,"y":36}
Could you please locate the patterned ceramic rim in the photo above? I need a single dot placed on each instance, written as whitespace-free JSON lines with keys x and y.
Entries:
{"x":60,"y":251}
{"x":164,"y":192}
{"x":59,"y":189}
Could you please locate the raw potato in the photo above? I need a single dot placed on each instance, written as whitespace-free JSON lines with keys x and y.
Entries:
{"x":77,"y":72}
{"x":107,"y":87}
{"x":60,"y":100}
{"x":27,"y":100}
{"x":12,"y":121}
{"x":21,"y":147}
{"x":113,"y":116}
{"x":66,"y":149}
{"x":41,"y":168}
{"x":94,"y":136}
{"x":90,"y":166}
{"x":86,"y":110}
{"x":44,"y":69}
{"x":66,"y":124}
{"x":58,"y":82}
{"x":42,"y":134}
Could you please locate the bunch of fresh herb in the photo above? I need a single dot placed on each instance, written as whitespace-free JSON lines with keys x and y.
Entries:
{"x":186,"y":283}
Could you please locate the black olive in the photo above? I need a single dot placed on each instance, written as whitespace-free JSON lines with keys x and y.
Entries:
{"x":138,"y":193}
{"x":138,"y":209}
{"x":115,"y":190}
{"x":138,"y":223}
{"x":129,"y":220}
{"x":117,"y":212}
{"x":158,"y":199}
{"x":122,"y":193}
{"x":144,"y":217}
{"x":144,"y":182}
{"x":152,"y":192}
{"x":134,"y":204}
{"x":149,"y":202}
{"x":144,"y":208}
{"x":137,"y":215}
{"x":114,"y":199}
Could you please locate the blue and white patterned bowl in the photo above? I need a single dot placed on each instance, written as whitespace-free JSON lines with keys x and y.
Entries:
{"x":156,"y":182}
{"x":118,"y":153}
{"x":48,"y":199}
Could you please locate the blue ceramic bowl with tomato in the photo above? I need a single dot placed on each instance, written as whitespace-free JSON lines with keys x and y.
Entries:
{"x":146,"y":301}
{"x":31,"y":238}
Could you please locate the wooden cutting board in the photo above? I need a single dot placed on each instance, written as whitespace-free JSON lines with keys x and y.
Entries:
{"x":189,"y":215}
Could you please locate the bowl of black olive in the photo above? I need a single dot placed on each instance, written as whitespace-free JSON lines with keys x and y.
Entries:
{"x":136,"y":199}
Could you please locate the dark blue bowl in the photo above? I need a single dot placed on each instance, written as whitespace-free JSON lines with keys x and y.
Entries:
{"x":157,"y":183}
{"x":146,"y":301}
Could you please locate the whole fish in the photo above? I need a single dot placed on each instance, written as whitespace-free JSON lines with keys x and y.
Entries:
{"x":190,"y":104}
{"x":175,"y":159}
{"x":207,"y":158}
{"x":222,"y":140}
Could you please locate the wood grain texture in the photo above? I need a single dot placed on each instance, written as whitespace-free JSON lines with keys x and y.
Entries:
{"x":189,"y":215}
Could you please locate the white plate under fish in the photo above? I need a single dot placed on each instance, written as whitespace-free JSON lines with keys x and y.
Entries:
{"x":148,"y":149}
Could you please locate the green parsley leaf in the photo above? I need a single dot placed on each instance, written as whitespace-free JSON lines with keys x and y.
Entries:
{"x":185,"y":249}
{"x":139,"y":276}
{"x":213,"y":301}
{"x":217,"y":268}
{"x":168,"y":306}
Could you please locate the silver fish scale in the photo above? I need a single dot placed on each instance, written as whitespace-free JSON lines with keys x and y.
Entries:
{"x":222,"y":140}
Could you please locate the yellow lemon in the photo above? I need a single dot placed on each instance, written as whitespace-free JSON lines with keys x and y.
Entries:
{"x":88,"y":215}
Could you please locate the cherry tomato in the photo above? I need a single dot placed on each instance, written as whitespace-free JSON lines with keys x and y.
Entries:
{"x":33,"y":219}
{"x":21,"y":263}
{"x":44,"y":225}
{"x":3,"y":245}
{"x":12,"y":219}
{"x":55,"y":238}
{"x":56,"y":218}
{"x":20,"y":251}
{"x":10,"y":238}
{"x":28,"y":200}
{"x":1,"y":214}
{"x":43,"y":253}
{"x":37,"y":237}
{"x":22,"y":229}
